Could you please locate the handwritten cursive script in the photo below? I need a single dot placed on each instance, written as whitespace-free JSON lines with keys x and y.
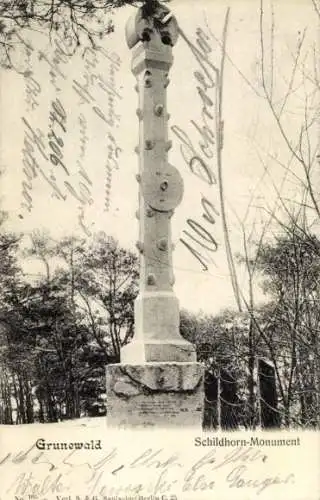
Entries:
{"x":46,"y":148}
{"x":146,"y":471}
{"x":93,"y":88}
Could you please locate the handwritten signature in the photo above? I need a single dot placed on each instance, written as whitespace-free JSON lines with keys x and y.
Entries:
{"x":156,"y":471}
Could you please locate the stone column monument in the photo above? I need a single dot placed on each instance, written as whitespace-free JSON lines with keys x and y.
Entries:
{"x":158,"y":381}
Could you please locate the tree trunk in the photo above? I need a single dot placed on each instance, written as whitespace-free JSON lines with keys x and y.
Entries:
{"x":22,"y":403}
{"x":29,"y":402}
{"x":251,"y":363}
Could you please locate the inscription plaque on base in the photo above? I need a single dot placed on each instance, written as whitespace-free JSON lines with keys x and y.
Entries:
{"x":155,"y":395}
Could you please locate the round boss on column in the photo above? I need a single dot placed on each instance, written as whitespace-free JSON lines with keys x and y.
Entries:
{"x":162,"y":188}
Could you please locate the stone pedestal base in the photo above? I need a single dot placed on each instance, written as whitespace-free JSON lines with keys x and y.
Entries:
{"x":153,"y":351}
{"x":155,"y":395}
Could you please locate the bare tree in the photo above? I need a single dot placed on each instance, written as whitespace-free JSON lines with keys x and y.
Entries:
{"x":76,"y":21}
{"x":292,"y":96}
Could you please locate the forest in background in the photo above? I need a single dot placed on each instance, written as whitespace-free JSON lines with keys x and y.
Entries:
{"x":61,"y":327}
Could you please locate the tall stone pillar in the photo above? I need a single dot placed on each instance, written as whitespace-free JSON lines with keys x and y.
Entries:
{"x":158,"y":380}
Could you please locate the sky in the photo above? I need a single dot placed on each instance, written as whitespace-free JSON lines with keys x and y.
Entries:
{"x":69,"y":129}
